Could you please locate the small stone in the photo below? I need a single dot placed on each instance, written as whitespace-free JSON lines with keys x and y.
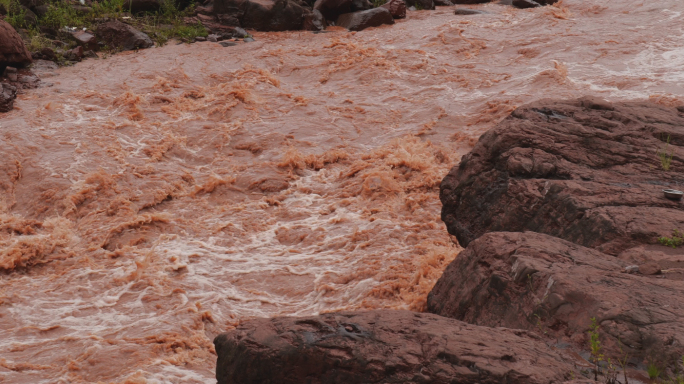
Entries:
{"x":200,"y":38}
{"x":248,"y":40}
{"x":651,"y":268}
{"x":239,"y":32}
{"x":632,"y":269}
{"x":227,"y":44}
{"x":213,"y":38}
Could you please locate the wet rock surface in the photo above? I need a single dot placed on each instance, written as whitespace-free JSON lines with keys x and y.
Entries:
{"x":7,"y":95}
{"x":583,"y":170}
{"x":537,"y":282}
{"x":265,"y":15}
{"x":397,"y":8}
{"x":120,"y":35}
{"x":361,"y":20}
{"x":383,"y":346}
{"x":525,"y":4}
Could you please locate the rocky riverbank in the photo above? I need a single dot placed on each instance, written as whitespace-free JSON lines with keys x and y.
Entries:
{"x":534,"y":196}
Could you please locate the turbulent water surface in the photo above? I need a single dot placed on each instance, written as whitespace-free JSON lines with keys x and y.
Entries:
{"x":153,"y":199}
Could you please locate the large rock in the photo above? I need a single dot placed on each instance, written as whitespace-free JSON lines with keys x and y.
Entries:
{"x":397,"y":8}
{"x":582,"y":170}
{"x":13,"y":52}
{"x":7,"y":95}
{"x":383,"y":347}
{"x":332,"y":9}
{"x":361,"y":20}
{"x":119,"y":35}
{"x":265,"y":15}
{"x":537,"y":282}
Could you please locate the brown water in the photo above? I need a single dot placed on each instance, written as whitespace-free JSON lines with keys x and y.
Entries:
{"x":154,"y":199}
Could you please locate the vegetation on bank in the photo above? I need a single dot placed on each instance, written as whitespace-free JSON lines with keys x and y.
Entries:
{"x":675,"y":241}
{"x":60,"y":17}
{"x":606,"y":370}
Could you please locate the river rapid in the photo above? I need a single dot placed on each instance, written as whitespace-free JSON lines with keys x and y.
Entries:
{"x":151,"y":200}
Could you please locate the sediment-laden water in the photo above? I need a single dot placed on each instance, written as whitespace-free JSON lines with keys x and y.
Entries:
{"x":153,"y":199}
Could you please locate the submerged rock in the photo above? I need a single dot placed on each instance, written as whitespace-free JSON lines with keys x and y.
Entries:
{"x":383,"y":346}
{"x":361,"y":20}
{"x":466,"y":11}
{"x":538,"y":282}
{"x":583,"y":170}
{"x":119,"y":35}
{"x":525,"y":4}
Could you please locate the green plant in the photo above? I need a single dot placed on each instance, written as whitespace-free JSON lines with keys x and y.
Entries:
{"x":378,"y":3}
{"x":675,"y":241}
{"x":16,"y":15}
{"x":611,"y":373}
{"x":623,"y":362}
{"x":595,"y":344}
{"x":61,"y":14}
{"x":540,"y":325}
{"x":653,"y":371}
{"x":664,"y":156}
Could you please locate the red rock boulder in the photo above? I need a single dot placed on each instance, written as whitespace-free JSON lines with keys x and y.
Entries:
{"x":553,"y":287}
{"x":583,"y":170}
{"x":383,"y":347}
{"x":13,"y":52}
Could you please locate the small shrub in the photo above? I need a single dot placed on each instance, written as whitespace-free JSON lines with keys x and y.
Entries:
{"x":378,"y":3}
{"x":675,"y":241}
{"x":61,"y":15}
{"x":653,"y":371}
{"x":664,"y":156}
{"x":595,"y":344}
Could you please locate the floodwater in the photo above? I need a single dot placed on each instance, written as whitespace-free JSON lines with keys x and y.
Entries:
{"x":152,"y":199}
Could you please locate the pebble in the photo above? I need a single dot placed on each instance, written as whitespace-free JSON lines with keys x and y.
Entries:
{"x":227,"y":44}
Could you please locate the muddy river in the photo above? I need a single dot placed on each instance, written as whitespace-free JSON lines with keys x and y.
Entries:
{"x":150,"y":200}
